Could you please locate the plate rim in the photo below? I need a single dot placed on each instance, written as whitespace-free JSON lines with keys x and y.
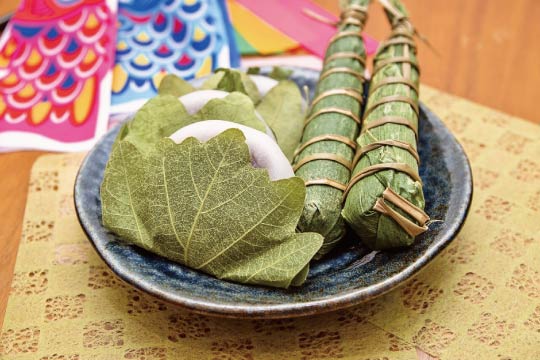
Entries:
{"x":296,"y":309}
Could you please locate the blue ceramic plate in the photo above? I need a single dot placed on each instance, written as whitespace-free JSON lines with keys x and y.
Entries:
{"x":349,"y":275}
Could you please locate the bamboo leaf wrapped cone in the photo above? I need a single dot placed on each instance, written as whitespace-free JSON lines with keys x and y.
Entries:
{"x":325,"y":154}
{"x":384,"y":200}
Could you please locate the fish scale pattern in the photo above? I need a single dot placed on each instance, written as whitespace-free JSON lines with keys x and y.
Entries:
{"x":155,"y":37}
{"x":53,"y":55}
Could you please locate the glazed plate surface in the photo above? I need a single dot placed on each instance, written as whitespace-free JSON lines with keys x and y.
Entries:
{"x":349,"y":275}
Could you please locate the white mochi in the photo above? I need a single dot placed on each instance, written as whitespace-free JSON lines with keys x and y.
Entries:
{"x":264,"y":83}
{"x":194,"y":101}
{"x":264,"y":151}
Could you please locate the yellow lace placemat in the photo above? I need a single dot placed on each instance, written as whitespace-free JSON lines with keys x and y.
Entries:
{"x":479,"y":299}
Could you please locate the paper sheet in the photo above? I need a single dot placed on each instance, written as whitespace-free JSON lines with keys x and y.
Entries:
{"x":186,"y":38}
{"x":55,"y":74}
{"x":289,"y":18}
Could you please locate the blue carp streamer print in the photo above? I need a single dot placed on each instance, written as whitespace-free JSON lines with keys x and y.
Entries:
{"x":188,"y":38}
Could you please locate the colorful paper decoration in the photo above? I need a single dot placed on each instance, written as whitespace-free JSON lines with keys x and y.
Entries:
{"x":255,"y":36}
{"x":275,"y":26}
{"x":188,"y":38}
{"x":55,"y":80}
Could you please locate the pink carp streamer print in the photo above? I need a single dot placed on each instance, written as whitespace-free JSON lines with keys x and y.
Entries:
{"x":56,"y":59}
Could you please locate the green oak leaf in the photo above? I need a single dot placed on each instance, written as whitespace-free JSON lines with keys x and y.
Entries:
{"x":253,"y":70}
{"x":158,"y":118}
{"x":122,"y":173}
{"x":175,"y":86}
{"x":279,"y":73}
{"x":282,"y":110}
{"x":301,"y":276}
{"x":235,"y":107}
{"x":232,"y":80}
{"x":204,"y":205}
{"x":212,"y":81}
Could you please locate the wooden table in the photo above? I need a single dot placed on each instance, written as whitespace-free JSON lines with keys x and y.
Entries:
{"x":481,"y":46}
{"x":7,"y":7}
{"x":488,"y":51}
{"x":14,"y":170}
